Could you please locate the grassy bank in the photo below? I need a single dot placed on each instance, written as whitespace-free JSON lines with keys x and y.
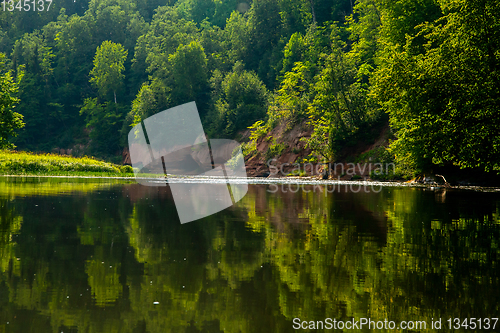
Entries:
{"x":23,"y":163}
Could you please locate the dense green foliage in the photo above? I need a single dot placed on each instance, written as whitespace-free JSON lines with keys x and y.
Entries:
{"x":442,"y":89}
{"x":95,"y":68}
{"x":241,"y":99}
{"x":107,"y":74}
{"x":9,"y":119}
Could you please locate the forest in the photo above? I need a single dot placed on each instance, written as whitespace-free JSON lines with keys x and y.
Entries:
{"x":79,"y":75}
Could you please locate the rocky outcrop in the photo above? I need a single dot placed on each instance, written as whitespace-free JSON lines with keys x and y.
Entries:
{"x":291,"y":159}
{"x":126,"y":157}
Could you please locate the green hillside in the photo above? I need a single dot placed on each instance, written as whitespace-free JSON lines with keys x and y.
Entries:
{"x":79,"y":74}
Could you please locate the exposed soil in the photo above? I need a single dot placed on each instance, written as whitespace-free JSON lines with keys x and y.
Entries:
{"x":295,"y":151}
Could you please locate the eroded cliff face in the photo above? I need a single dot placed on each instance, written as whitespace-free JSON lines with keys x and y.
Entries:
{"x":291,"y":159}
{"x":262,"y":164}
{"x":349,"y":164}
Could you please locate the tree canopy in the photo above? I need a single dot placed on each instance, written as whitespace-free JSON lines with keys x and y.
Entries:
{"x":430,"y":67}
{"x":107,"y":74}
{"x":9,"y":119}
{"x":442,"y":89}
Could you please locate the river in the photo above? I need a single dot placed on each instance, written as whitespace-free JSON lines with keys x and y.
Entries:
{"x":101,"y":255}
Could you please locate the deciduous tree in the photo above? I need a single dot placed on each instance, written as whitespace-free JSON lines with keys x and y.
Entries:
{"x":107,"y":74}
{"x":9,"y":119}
{"x":443,"y":96}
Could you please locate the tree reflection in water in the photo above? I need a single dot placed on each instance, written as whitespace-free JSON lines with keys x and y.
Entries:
{"x":113,"y":257}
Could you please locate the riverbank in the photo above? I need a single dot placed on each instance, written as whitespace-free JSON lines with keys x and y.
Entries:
{"x":292,"y":184}
{"x":25,"y":164}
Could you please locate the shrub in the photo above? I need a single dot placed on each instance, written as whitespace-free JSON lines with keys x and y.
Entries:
{"x":275,"y":149}
{"x":259,"y":129}
{"x":249,"y":148}
{"x":126,"y":169}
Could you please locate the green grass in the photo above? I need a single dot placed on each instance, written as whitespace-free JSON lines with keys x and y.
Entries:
{"x":297,"y":173}
{"x":24,"y":163}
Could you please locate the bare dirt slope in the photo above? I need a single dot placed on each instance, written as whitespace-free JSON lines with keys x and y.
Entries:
{"x":259,"y":164}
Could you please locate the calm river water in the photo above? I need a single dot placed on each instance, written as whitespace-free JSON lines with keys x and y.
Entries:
{"x":80,"y":255}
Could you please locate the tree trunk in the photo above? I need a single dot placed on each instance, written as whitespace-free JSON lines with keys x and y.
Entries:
{"x":313,"y":11}
{"x":114,"y":92}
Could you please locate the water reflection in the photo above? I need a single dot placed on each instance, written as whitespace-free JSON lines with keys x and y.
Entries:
{"x":113,"y":257}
